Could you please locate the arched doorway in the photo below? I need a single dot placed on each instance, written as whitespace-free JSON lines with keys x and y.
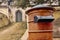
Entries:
{"x":18,"y":16}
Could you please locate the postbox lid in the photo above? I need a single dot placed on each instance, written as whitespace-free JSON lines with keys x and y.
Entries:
{"x":38,"y":7}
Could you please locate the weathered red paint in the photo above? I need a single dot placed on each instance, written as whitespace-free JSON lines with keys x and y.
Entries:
{"x":36,"y":30}
{"x":45,"y":25}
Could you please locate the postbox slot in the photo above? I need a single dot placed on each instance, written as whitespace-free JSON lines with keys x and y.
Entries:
{"x":43,"y":18}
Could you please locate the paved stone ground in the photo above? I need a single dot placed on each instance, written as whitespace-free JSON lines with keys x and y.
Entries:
{"x":25,"y":36}
{"x":13,"y":32}
{"x":56,"y":39}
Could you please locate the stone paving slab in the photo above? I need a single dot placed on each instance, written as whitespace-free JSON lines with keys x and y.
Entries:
{"x":56,"y":38}
{"x":13,"y":32}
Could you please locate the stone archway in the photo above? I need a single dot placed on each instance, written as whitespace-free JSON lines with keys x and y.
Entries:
{"x":18,"y":16}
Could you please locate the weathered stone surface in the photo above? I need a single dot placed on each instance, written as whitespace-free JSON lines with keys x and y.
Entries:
{"x":12,"y":32}
{"x":3,"y":20}
{"x":56,"y":38}
{"x":57,"y":22}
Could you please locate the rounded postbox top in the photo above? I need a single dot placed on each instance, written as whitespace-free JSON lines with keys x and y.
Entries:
{"x":38,"y":7}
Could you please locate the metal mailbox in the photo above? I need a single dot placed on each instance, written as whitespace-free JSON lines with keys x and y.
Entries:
{"x":40,"y":20}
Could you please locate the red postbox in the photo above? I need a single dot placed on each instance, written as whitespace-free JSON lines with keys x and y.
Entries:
{"x":40,"y":20}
